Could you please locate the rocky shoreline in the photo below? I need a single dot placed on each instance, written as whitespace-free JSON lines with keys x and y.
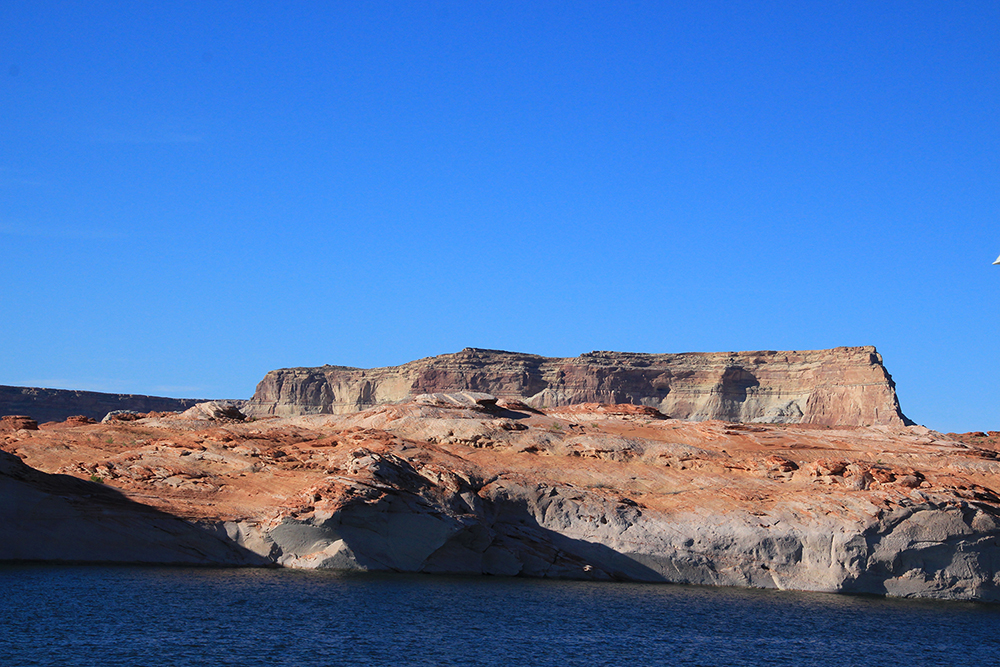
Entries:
{"x":466,"y":483}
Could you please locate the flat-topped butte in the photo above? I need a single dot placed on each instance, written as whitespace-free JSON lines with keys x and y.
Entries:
{"x":844,"y":385}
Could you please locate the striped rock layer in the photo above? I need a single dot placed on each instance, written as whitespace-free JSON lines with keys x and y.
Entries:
{"x":844,"y":385}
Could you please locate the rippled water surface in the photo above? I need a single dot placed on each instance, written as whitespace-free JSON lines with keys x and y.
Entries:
{"x":169,"y":616}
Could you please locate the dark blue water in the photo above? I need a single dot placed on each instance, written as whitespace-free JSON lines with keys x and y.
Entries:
{"x":166,"y":616}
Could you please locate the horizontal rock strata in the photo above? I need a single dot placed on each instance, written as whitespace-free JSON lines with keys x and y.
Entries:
{"x":845,"y":385}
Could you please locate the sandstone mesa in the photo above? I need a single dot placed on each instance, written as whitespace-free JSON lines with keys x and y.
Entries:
{"x":845,"y":385}
{"x":725,"y":469}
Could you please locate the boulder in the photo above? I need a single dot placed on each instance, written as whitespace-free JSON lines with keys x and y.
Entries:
{"x":18,"y":422}
{"x":121,"y":416}
{"x":215,"y":411}
{"x":80,"y":420}
{"x":461,"y":399}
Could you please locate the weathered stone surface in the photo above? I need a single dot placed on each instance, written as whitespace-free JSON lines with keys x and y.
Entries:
{"x":414,"y":517}
{"x":460,"y":399}
{"x":847,"y":385}
{"x":16,"y":422}
{"x":80,"y":420}
{"x":122,"y":416}
{"x":463,"y":484}
{"x":215,"y":411}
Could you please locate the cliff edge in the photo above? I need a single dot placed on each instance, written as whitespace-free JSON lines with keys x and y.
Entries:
{"x":844,"y":385}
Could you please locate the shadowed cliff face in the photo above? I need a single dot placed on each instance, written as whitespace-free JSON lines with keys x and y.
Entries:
{"x":45,"y":405}
{"x":45,"y":517}
{"x":847,"y":385}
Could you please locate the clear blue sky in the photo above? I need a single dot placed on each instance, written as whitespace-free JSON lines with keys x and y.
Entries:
{"x":194,"y":193}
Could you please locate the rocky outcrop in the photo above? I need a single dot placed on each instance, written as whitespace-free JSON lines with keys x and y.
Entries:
{"x":60,"y":518}
{"x":17,"y":422}
{"x":404,"y":522}
{"x":46,"y":405}
{"x":390,"y":513}
{"x":846,"y":385}
{"x":467,"y":483}
{"x":225,"y":411}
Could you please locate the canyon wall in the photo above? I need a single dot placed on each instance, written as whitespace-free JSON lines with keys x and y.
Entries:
{"x":844,"y":385}
{"x":47,"y":405}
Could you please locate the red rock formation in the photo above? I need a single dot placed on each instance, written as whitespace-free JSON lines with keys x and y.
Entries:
{"x":845,"y":385}
{"x":79,"y":420}
{"x":16,"y":422}
{"x":463,"y":484}
{"x":46,"y":517}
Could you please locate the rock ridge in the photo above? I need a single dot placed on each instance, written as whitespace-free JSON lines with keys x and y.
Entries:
{"x":844,"y":385}
{"x":56,"y":405}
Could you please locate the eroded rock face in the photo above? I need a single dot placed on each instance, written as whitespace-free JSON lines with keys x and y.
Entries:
{"x":405,"y":521}
{"x":846,"y":385}
{"x":469,"y":484}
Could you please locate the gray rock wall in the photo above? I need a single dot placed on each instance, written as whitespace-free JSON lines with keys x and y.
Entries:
{"x":511,"y":527}
{"x":398,"y":518}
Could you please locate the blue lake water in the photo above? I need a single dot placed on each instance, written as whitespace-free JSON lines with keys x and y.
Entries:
{"x":68,"y":615}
